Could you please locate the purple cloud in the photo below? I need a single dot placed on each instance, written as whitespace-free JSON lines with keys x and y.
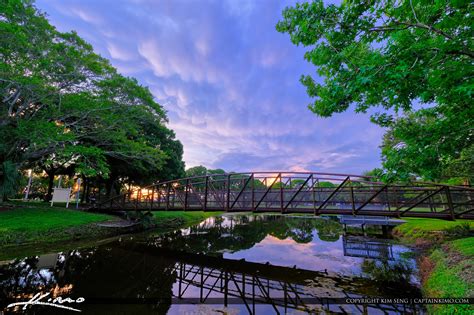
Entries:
{"x":229,"y":82}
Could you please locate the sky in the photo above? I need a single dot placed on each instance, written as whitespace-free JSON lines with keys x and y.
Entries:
{"x":228,"y":80}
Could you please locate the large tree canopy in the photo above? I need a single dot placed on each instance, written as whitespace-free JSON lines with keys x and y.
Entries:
{"x":399,"y":56}
{"x":66,"y":109}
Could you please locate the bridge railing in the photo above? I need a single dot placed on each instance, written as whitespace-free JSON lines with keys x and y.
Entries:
{"x":304,"y":192}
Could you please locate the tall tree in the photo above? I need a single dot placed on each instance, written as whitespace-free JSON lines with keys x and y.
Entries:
{"x":398,"y":56}
{"x":63,"y":107}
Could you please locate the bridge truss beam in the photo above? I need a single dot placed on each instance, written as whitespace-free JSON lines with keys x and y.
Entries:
{"x":298,"y":192}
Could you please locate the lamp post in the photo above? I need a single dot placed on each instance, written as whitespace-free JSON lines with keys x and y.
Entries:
{"x":78,"y":192}
{"x":27,"y":192}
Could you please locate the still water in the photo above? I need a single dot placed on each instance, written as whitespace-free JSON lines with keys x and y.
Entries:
{"x":239,"y":264}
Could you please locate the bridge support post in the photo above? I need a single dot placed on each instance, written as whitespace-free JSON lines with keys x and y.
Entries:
{"x":206,"y":189}
{"x":168,"y":189}
{"x":186,"y":195}
{"x":139,"y":196}
{"x":387,"y":199}
{"x":152,"y":197}
{"x":253,"y":192}
{"x":180,"y":278}
{"x":228,"y":193}
{"x":226,"y":286}
{"x":352,"y":198}
{"x":281,"y":195}
{"x":201,"y":289}
{"x":450,"y":203}
{"x":316,"y":208}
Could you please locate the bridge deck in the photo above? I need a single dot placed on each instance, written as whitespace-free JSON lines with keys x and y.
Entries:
{"x":370,"y":220}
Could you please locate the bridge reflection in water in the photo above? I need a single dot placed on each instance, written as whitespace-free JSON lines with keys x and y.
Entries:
{"x":299,"y":192}
{"x":195,"y":279}
{"x":358,"y":247}
{"x":308,"y":291}
{"x":201,"y":266}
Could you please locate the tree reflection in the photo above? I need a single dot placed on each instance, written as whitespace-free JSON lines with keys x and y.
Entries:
{"x":238,"y":233}
{"x":393,"y":273}
{"x":100,"y":273}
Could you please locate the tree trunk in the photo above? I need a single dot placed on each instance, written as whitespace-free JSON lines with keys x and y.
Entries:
{"x":88,"y":192}
{"x":84,"y":189}
{"x":49,"y":195}
{"x":109,"y":185}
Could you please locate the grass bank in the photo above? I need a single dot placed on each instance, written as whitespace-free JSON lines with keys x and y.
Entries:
{"x":432,"y":230}
{"x":33,"y":227}
{"x":44,"y":224}
{"x":446,"y":261}
{"x":165,"y":220}
{"x":27,"y":230}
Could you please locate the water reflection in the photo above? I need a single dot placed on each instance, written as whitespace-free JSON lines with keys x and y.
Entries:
{"x":268,"y":264}
{"x":362,"y":247}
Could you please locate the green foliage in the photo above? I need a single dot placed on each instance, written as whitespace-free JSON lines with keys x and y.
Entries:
{"x":460,"y":169}
{"x":430,"y":144}
{"x":66,"y":110}
{"x":196,"y":171}
{"x":296,"y":183}
{"x":257,"y":184}
{"x":277,"y":184}
{"x":413,"y":58}
{"x":460,"y":230}
{"x":214,"y":175}
{"x":203,"y":171}
{"x":9,"y":179}
{"x":245,"y":232}
{"x":325,"y":184}
{"x":376,"y":174}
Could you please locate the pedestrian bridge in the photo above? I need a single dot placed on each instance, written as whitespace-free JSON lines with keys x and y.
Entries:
{"x":299,"y":192}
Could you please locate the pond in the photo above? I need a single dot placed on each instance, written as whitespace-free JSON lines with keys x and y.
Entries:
{"x":235,"y":264}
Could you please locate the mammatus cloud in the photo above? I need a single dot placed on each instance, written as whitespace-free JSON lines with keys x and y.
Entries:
{"x":229,"y":82}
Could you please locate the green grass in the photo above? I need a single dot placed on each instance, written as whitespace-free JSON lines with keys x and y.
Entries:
{"x":41,"y":219}
{"x":449,"y":280}
{"x":44,"y":224}
{"x":449,"y":273}
{"x":426,"y":228}
{"x":465,"y":246}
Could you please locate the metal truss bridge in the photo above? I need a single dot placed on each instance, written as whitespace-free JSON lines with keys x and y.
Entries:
{"x":299,"y":192}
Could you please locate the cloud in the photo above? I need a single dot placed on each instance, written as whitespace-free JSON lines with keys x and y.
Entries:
{"x":119,"y":53}
{"x":228,"y":80}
